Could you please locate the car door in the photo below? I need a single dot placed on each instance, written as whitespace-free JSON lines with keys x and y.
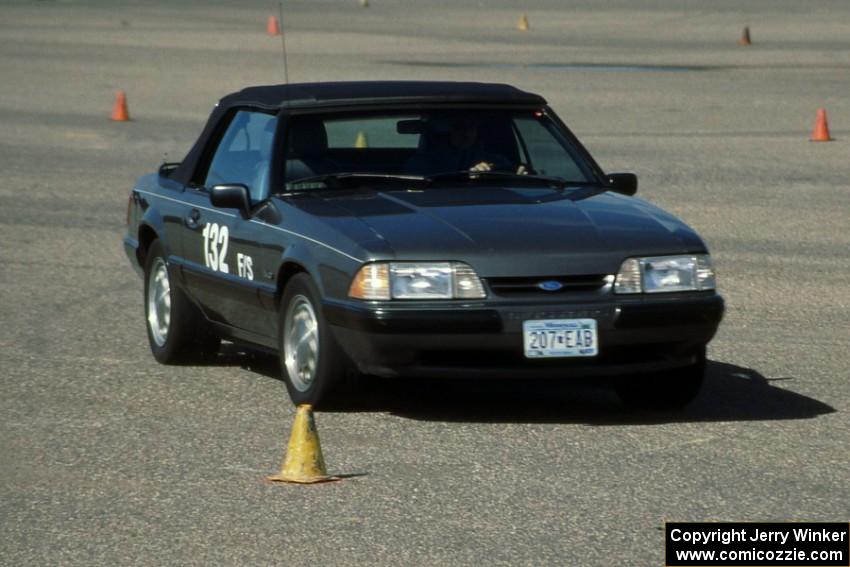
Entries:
{"x":220,"y":246}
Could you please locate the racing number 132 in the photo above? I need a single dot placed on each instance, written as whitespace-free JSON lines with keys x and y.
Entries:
{"x":215,"y":247}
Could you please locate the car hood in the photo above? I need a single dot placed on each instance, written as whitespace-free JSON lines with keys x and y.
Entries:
{"x":504,"y":231}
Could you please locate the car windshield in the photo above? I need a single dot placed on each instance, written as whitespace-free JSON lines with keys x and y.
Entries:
{"x":427,"y":144}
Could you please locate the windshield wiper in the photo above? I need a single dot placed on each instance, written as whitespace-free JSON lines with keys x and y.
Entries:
{"x":337,"y":180}
{"x":322,"y":181}
{"x":471,"y":175}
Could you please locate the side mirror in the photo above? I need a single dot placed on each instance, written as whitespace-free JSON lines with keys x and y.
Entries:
{"x":625,"y":183}
{"x":231,"y":196}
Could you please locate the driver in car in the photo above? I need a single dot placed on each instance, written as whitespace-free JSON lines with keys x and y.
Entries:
{"x":462,"y":146}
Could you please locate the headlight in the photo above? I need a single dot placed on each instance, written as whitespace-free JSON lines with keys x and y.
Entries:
{"x":416,"y":280}
{"x":660,"y":274}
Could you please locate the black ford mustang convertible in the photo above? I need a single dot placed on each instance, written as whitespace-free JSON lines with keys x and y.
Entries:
{"x":428,"y":229}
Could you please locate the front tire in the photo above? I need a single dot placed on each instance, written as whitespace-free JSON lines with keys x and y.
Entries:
{"x":669,"y":390}
{"x":176,"y":331}
{"x":312,"y":362}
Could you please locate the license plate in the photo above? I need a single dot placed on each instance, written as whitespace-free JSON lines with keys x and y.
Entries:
{"x":550,"y":338}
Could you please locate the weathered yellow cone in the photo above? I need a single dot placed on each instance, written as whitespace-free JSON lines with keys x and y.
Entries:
{"x":303,"y":463}
{"x":522,"y":24}
{"x":364,"y":3}
{"x":361,"y":141}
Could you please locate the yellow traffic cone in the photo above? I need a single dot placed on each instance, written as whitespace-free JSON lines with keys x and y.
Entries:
{"x":522,"y":24}
{"x":303,"y":463}
{"x":361,"y":141}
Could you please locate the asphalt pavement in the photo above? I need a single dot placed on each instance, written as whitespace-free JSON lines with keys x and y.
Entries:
{"x":109,"y":458}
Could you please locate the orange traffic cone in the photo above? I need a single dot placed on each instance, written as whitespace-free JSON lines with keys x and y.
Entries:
{"x":821,"y":131}
{"x":119,"y":109}
{"x":522,"y":24}
{"x":745,"y":37}
{"x":273,"y":26}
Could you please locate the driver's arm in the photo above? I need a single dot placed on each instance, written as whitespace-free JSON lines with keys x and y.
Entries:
{"x":488,"y":166}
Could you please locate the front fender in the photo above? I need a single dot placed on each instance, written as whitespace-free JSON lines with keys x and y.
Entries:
{"x":331,"y":271}
{"x":152,"y":221}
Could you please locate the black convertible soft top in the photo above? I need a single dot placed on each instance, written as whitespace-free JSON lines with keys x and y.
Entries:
{"x":353,"y":93}
{"x":378,"y":92}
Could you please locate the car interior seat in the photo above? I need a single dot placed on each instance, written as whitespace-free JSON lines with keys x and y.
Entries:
{"x":306,"y":149}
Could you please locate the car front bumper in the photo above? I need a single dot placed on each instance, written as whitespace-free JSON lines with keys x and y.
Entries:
{"x":635,"y":334}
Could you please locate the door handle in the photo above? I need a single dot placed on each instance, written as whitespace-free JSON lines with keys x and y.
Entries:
{"x":193,"y":218}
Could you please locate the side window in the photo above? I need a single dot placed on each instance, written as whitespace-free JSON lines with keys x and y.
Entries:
{"x":547,"y":156}
{"x":244,"y":153}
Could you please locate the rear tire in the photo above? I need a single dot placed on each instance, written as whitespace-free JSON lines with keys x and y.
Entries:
{"x":668,"y":390}
{"x":176,"y":330}
{"x":312,"y":363}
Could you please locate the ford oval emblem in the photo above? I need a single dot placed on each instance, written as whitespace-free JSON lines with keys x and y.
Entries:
{"x":550,"y":286}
